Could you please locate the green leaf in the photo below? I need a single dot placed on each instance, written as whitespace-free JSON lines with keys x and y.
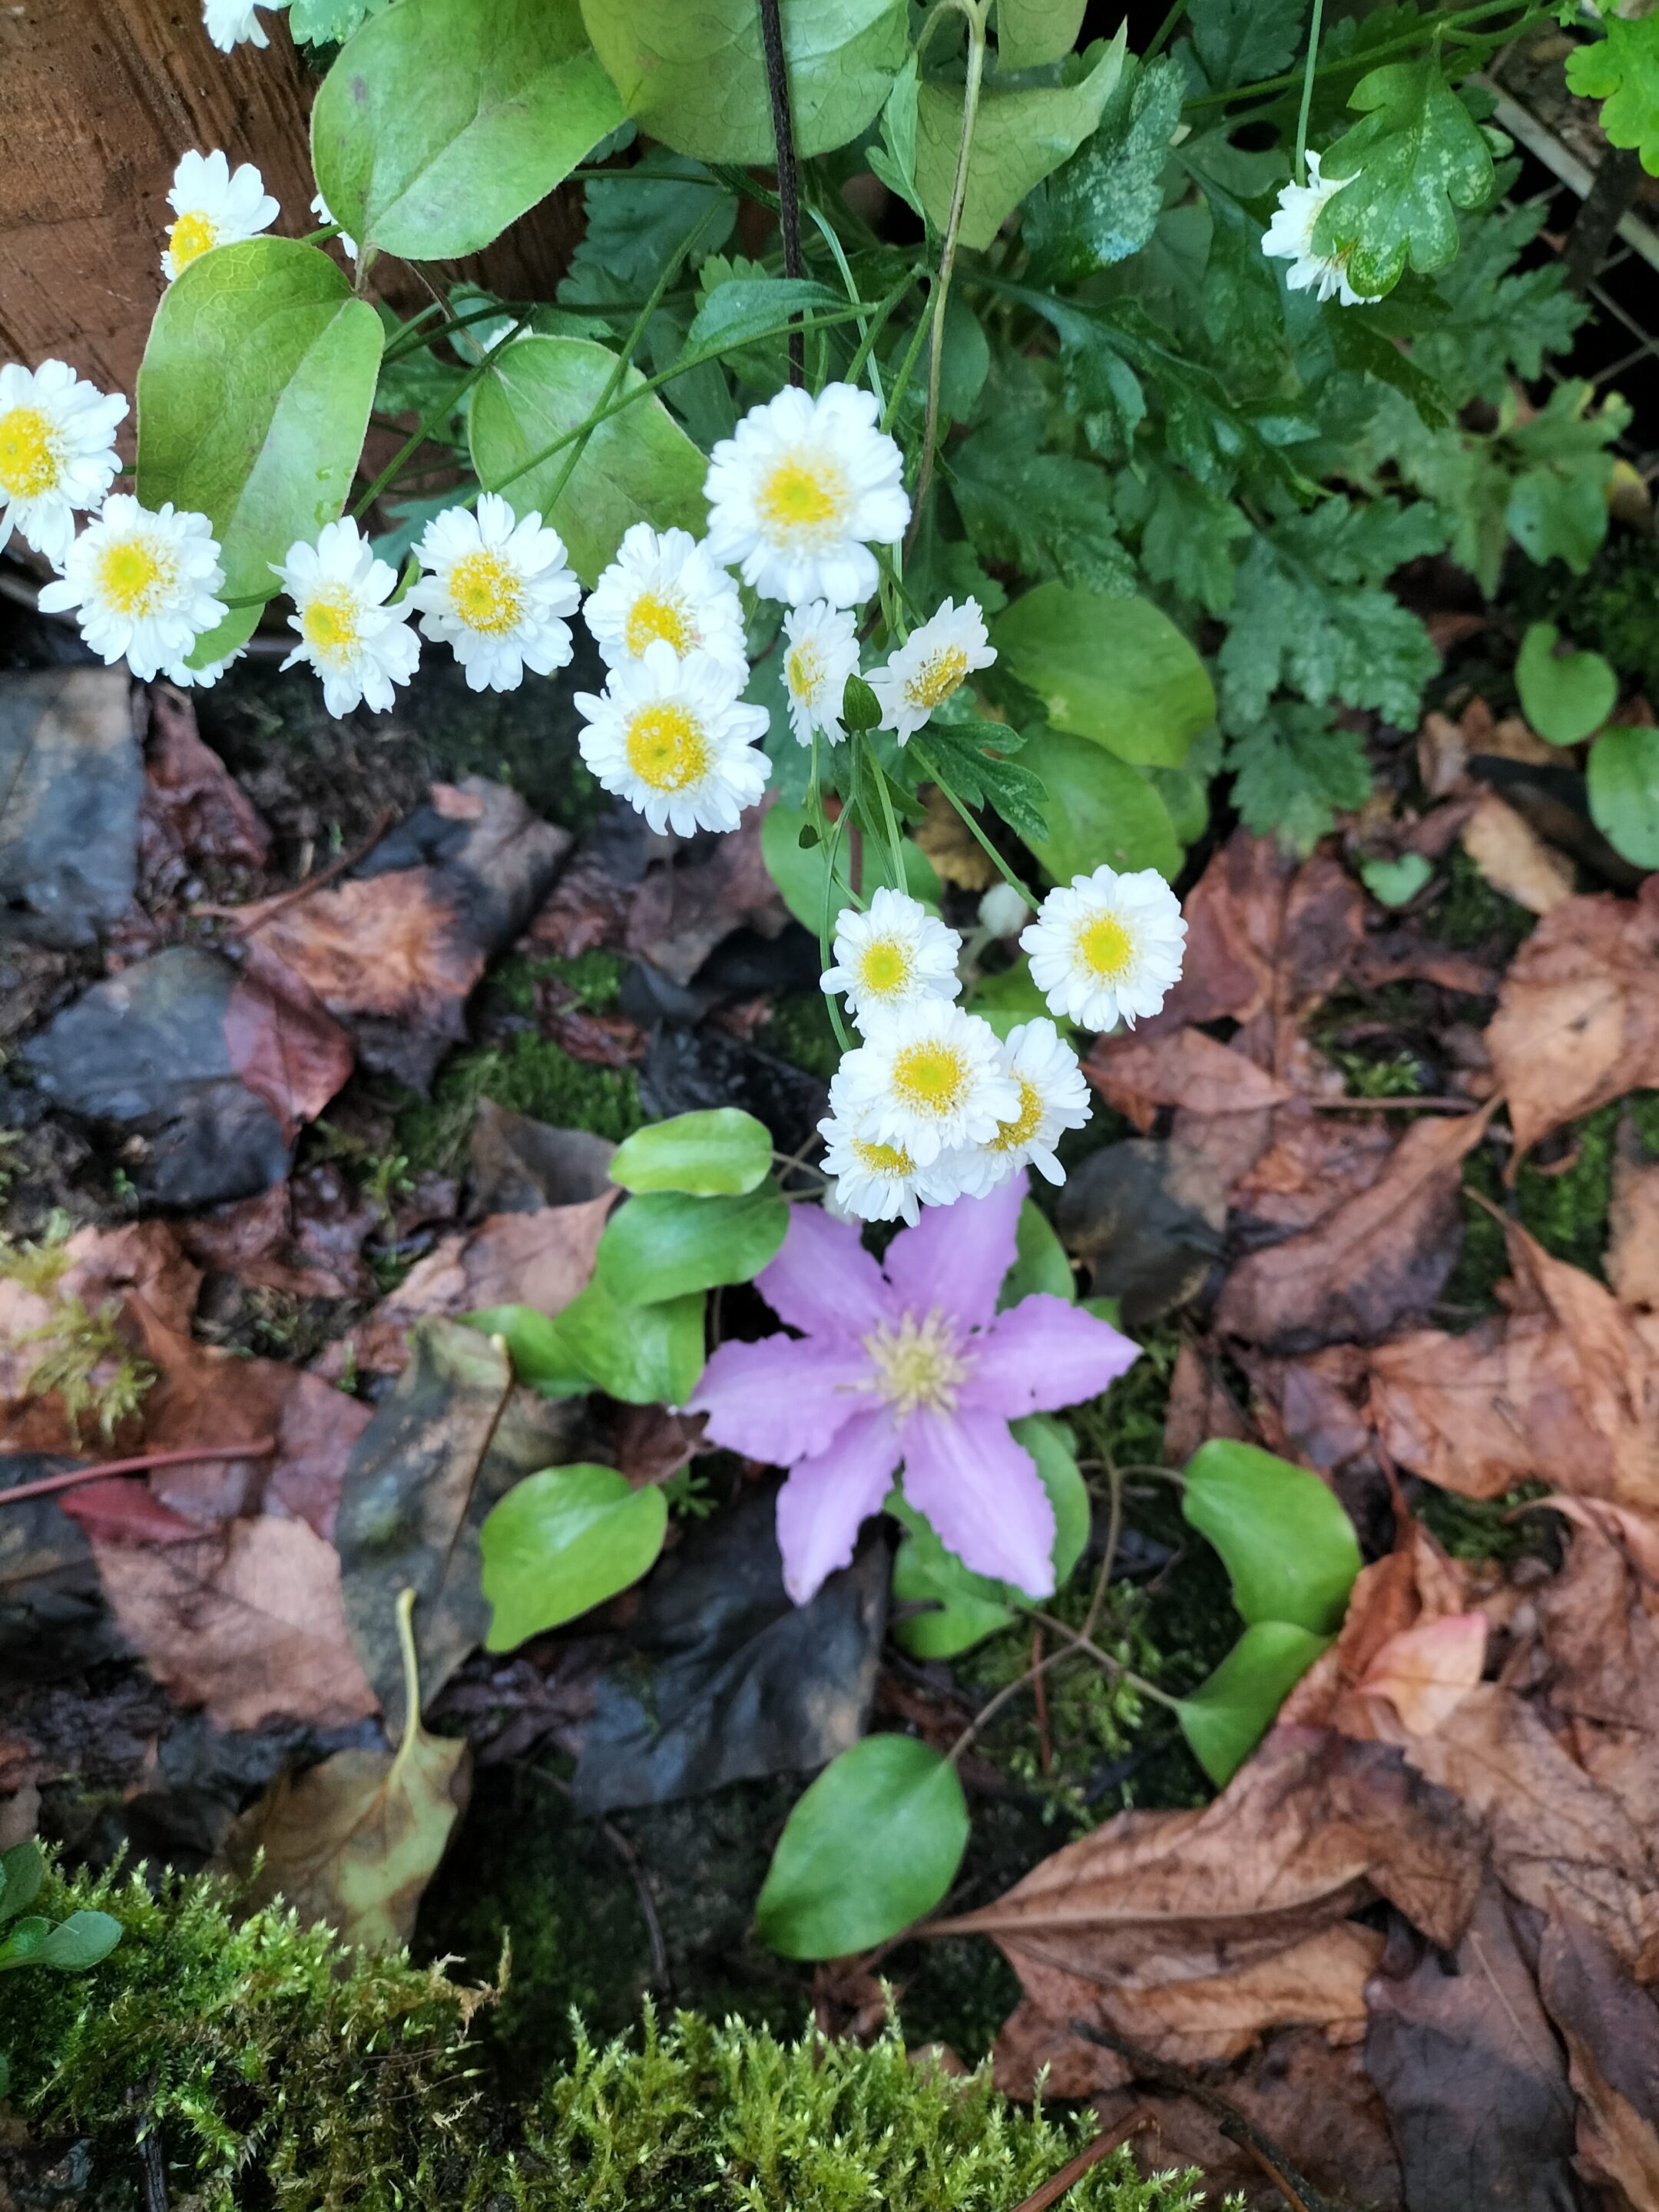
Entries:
{"x":694,"y":76}
{"x":1031,"y":31}
{"x":442,"y":122}
{"x":1102,"y":809}
{"x":1104,"y":204}
{"x":1294,"y":770}
{"x":1042,"y":513}
{"x":954,"y":755}
{"x":723,"y":1153}
{"x":1188,"y":535}
{"x":635,"y":220}
{"x":1565,"y":696}
{"x":329,"y":22}
{"x":644,"y":1355}
{"x":1283,"y":1535}
{"x":1622,"y":71}
{"x":1115,"y":670}
{"x":1040,"y":1261}
{"x":751,"y":307}
{"x":664,"y":1245}
{"x":1396,"y":883}
{"x":1019,"y":137}
{"x":561,"y":1542}
{"x":69,"y":1947}
{"x":798,"y":870}
{"x":21,"y":1869}
{"x":895,"y":159}
{"x":1242,"y":42}
{"x":252,"y":402}
{"x":638,"y":466}
{"x":873,"y":1844}
{"x":1416,"y":157}
{"x":541,"y":1358}
{"x":1226,"y":1716}
{"x":1009,"y":997}
{"x":1623,"y":776}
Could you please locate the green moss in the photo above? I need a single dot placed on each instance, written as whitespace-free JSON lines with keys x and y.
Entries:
{"x":1468,"y":912}
{"x":799,"y":1029}
{"x":1479,"y":1528}
{"x":595,"y":978}
{"x":532,"y":1075}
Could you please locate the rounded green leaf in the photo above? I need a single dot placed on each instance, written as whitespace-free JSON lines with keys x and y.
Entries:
{"x":723,"y":1153}
{"x":1099,"y":809}
{"x":1286,"y":1542}
{"x":252,"y":402}
{"x":1623,"y":776}
{"x":873,"y":1844}
{"x":665,"y":1244}
{"x":541,"y":1358}
{"x":1115,"y":670}
{"x":561,"y":1542}
{"x":644,"y":1355}
{"x":638,"y":467}
{"x":1565,"y":696}
{"x":1396,"y":883}
{"x":694,"y":76}
{"x":70,"y":1946}
{"x":1227,"y":1716}
{"x":798,"y":870}
{"x":442,"y":121}
{"x":22,"y":1870}
{"x":1040,"y":1261}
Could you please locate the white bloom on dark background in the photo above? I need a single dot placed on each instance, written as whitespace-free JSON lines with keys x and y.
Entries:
{"x":142,"y":584}
{"x":229,"y":22}
{"x":800,"y":493}
{"x":1289,"y":237}
{"x":1107,"y":947}
{"x":57,"y":452}
{"x":359,"y":646}
{"x":320,"y":209}
{"x":665,"y":588}
{"x":1053,"y":1098}
{"x":874,"y":1181}
{"x":1004,"y":911}
{"x":214,"y":205}
{"x":929,"y":1081}
{"x":892,"y":956}
{"x":820,"y":652}
{"x":186,"y":678}
{"x":673,"y":738}
{"x":933,"y":662}
{"x":495,"y":592}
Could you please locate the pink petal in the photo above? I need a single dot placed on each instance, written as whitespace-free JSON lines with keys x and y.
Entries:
{"x":1042,"y":1354}
{"x":823,"y":1280}
{"x":983,"y":1495}
{"x":782,"y":1399}
{"x":957,"y":1255}
{"x":826,"y":1499}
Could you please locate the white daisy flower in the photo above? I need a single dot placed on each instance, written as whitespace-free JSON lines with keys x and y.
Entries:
{"x":186,"y":678}
{"x":359,"y":646}
{"x":874,"y":1181}
{"x":933,"y":662}
{"x":927,"y":1081}
{"x":57,"y":452}
{"x":892,"y":956}
{"x":1106,"y":948}
{"x":1053,"y":1098}
{"x":231,"y":22}
{"x":821,"y":651}
{"x":673,"y":737}
{"x":143,"y":582}
{"x":494,"y":590}
{"x":802,"y":491}
{"x":320,"y":209}
{"x":214,"y":205}
{"x":1289,"y":237}
{"x":663,"y":587}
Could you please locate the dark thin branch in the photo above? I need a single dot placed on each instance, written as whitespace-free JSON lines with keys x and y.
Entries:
{"x":48,"y":1485}
{"x":1108,"y":2141}
{"x":783,"y":134}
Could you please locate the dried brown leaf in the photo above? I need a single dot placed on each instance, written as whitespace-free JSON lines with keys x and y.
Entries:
{"x":1137,"y":1075}
{"x":1514,"y":859}
{"x":1611,"y":2030}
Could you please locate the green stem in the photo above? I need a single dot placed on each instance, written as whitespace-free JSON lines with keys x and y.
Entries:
{"x":423,"y":428}
{"x":991,"y":852}
{"x":1164,"y":32}
{"x":1299,"y":165}
{"x":895,"y":843}
{"x":1424,"y":35}
{"x":908,"y":366}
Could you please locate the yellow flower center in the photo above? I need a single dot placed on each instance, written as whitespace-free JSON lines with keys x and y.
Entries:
{"x":331,"y":624}
{"x":937,"y":677}
{"x":883,"y":966}
{"x":931,"y":1078}
{"x":1024,"y":1125}
{"x":189,"y":238}
{"x":486,"y":593}
{"x":28,"y":453}
{"x":882,"y":1160}
{"x":667,"y":747}
{"x":917,"y":1364}
{"x":1106,"y":948}
{"x":802,"y":493}
{"x":135,"y":575}
{"x":650,"y":617}
{"x":804,"y":669}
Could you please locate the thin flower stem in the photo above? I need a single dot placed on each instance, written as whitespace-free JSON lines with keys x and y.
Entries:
{"x":993,"y":1706}
{"x":1164,"y":32}
{"x":1113,"y":1667}
{"x":1006,"y":871}
{"x":1299,"y":165}
{"x":47,"y":1486}
{"x":828,"y":846}
{"x":424,"y":427}
{"x":895,"y":843}
{"x":913,"y":353}
{"x":1425,"y":35}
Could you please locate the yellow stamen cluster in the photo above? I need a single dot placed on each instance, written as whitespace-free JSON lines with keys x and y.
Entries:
{"x":331,"y":624}
{"x":937,"y":677}
{"x":802,"y":493}
{"x":486,"y":593}
{"x":885,"y":966}
{"x":135,"y":575}
{"x":190,"y":239}
{"x":1024,"y":1125}
{"x":28,"y":453}
{"x":650,"y":617}
{"x":929,"y":1078}
{"x":917,"y":1364}
{"x":667,"y":747}
{"x":1106,"y":948}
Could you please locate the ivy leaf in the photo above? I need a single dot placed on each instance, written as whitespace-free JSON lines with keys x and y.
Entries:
{"x":1239,"y":41}
{"x":1045,"y":515}
{"x":1622,"y":71}
{"x":1031,"y":31}
{"x":637,"y":218}
{"x":1293,"y":770}
{"x":1103,"y":204}
{"x":955,"y":757}
{"x":1019,"y":138}
{"x":1416,"y":157}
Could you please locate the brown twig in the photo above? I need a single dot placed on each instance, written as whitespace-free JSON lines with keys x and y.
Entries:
{"x":1298,"y":2190}
{"x":783,"y":136}
{"x":246,"y":919}
{"x":261,"y":1448}
{"x":1394,"y":1105}
{"x":1040,"y":1700}
{"x":1108,"y":2141}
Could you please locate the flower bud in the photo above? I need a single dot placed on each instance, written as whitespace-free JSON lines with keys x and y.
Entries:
{"x":1003,"y":911}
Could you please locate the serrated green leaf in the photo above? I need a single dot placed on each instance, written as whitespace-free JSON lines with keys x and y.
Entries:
{"x":1414,"y":159}
{"x":1622,"y":71}
{"x":955,"y":756}
{"x":1187,"y":534}
{"x":895,"y":159}
{"x":694,"y":76}
{"x":1293,"y":770}
{"x":442,"y":122}
{"x":1116,"y":670}
{"x":638,"y":467}
{"x":721,"y":1153}
{"x":253,"y":398}
{"x":748,"y":308}
{"x":1042,"y":513}
{"x":1226,"y":1716}
{"x":637,"y":218}
{"x":1102,"y":809}
{"x":1103,"y":204}
{"x":873,"y":1844}
{"x":1239,"y":41}
{"x":1031,"y":31}
{"x":330,"y":22}
{"x":1282,"y":1535}
{"x":1623,"y":776}
{"x":1019,"y":138}
{"x":665,"y":1244}
{"x":1565,"y":697}
{"x":561,"y":1542}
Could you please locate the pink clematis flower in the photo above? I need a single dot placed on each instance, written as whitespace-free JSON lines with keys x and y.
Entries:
{"x":907,"y":1362}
